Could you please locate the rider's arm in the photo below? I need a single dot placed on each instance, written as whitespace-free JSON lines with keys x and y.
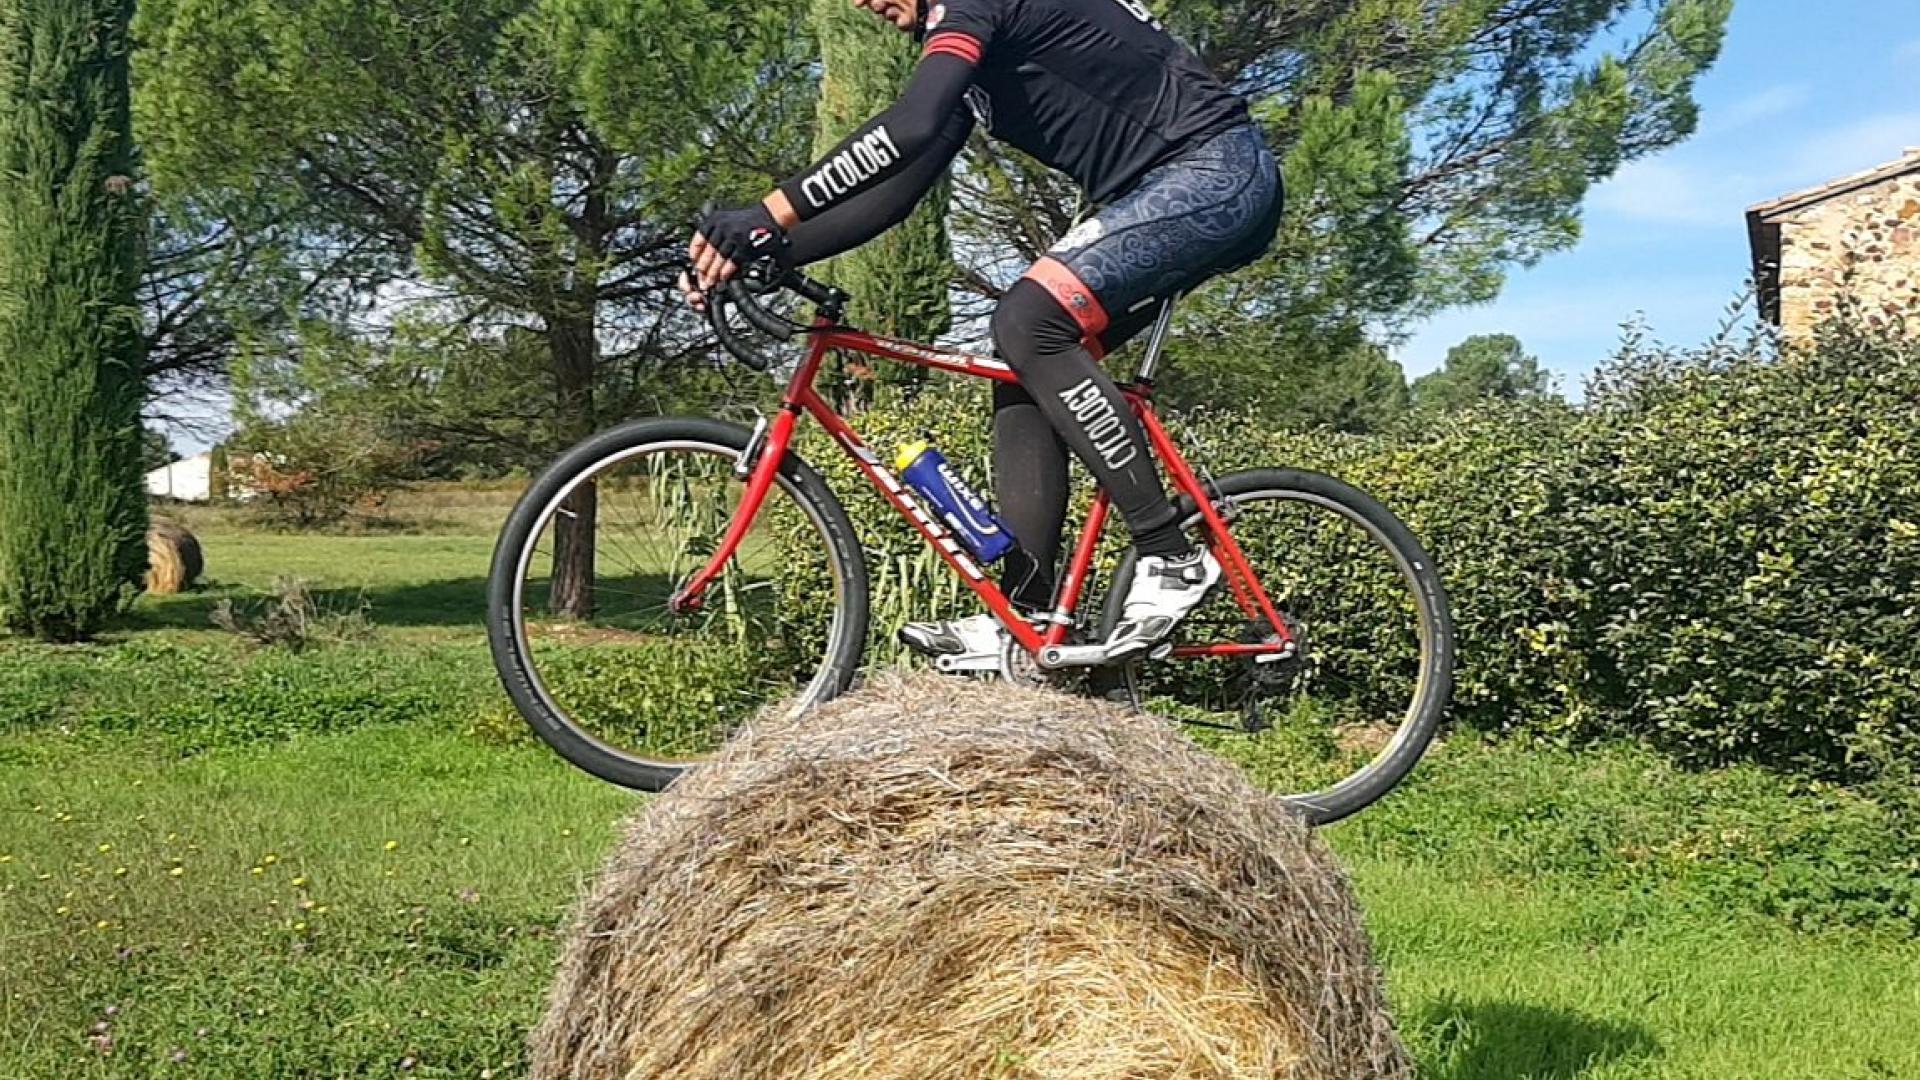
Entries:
{"x":888,"y":145}
{"x":852,"y":222}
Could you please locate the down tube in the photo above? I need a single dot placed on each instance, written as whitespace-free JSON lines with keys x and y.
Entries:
{"x":935,"y":533}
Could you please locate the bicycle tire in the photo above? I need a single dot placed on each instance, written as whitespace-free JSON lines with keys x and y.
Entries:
{"x":510,"y":647}
{"x":1435,"y":686}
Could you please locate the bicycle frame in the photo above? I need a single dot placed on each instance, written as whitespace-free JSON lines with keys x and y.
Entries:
{"x":802,"y":398}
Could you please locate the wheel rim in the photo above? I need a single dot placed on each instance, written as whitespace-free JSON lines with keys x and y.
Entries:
{"x":632,"y":678}
{"x":1369,"y":635}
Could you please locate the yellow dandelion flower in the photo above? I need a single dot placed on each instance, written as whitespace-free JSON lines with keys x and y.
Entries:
{"x":4,"y":859}
{"x":178,"y":871}
{"x":270,"y":859}
{"x":257,"y":871}
{"x":321,"y":910}
{"x":119,"y":871}
{"x":102,"y":925}
{"x":566,"y":832}
{"x":299,"y":928}
{"x":391,"y":845}
{"x":466,"y":841}
{"x":63,"y":910}
{"x":300,"y":882}
{"x":104,"y":848}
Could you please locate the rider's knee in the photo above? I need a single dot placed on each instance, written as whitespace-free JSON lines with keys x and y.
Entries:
{"x":1029,"y":323}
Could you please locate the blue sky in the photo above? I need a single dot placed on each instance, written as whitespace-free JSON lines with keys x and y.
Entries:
{"x":1802,"y":93}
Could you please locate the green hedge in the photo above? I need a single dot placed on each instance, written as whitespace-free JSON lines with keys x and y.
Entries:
{"x":1718,"y":554}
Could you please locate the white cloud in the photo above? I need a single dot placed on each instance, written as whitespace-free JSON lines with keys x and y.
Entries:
{"x":1665,"y":192}
{"x":1700,"y":185}
{"x":1849,"y":148}
{"x":1761,"y":105}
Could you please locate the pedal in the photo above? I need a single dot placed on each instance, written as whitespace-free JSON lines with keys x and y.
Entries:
{"x":1099,"y":655}
{"x":1057,"y":657}
{"x":955,"y":664}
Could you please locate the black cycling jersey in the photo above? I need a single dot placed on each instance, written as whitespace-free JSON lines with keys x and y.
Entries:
{"x":1095,"y":88}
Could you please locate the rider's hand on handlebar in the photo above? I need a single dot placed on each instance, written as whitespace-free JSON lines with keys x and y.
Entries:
{"x":725,"y":241}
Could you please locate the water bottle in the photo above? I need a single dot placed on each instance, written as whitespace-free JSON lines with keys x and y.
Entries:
{"x":926,"y":471}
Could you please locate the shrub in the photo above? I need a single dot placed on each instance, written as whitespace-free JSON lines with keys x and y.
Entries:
{"x":315,"y":467}
{"x":1758,"y":523}
{"x":293,"y":620}
{"x":72,"y":511}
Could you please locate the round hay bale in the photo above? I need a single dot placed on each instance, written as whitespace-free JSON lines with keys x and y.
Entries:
{"x":174,"y":561}
{"x":938,"y":879}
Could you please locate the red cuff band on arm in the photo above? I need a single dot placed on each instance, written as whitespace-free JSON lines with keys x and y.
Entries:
{"x":953,"y":43}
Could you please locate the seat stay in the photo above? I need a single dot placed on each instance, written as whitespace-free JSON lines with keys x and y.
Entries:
{"x":1247,"y":590}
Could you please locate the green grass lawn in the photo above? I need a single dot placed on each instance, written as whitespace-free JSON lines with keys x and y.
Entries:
{"x":217,"y":861}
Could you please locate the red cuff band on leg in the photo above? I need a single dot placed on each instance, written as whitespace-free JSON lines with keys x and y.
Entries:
{"x":1073,"y":295}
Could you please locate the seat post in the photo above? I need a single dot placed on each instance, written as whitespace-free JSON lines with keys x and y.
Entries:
{"x":1158,"y":340}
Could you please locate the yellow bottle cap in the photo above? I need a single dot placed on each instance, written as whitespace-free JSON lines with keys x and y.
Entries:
{"x":909,"y":454}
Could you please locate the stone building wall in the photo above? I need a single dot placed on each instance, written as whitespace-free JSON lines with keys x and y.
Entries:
{"x":1858,"y":251}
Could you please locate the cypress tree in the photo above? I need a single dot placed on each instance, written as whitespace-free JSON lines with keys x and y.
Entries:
{"x":72,"y":509}
{"x":899,"y":281}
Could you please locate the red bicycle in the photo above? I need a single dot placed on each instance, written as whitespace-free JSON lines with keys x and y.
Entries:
{"x":668,"y":578}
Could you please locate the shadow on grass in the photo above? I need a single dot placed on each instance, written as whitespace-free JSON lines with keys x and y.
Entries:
{"x":452,"y":602}
{"x":1500,"y":1040}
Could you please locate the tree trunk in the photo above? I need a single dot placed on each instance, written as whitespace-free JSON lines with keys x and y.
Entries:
{"x":574,"y":349}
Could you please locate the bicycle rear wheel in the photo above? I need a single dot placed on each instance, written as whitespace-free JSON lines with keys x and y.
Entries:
{"x":582,"y":633}
{"x":1338,"y":724}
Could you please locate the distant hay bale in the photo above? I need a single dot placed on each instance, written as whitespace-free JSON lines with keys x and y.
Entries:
{"x":938,"y":879}
{"x":174,"y":561}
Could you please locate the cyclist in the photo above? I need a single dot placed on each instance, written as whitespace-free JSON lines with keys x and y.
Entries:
{"x":1185,"y":187}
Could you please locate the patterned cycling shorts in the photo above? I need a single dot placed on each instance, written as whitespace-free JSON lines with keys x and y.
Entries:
{"x":1213,"y":209}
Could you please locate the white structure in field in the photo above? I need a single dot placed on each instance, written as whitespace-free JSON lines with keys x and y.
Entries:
{"x":187,"y":480}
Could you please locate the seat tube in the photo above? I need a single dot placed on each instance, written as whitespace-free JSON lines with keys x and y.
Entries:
{"x":1158,"y":341}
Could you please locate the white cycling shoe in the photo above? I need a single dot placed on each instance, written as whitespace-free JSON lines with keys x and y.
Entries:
{"x":1164,"y":591}
{"x":970,"y":644}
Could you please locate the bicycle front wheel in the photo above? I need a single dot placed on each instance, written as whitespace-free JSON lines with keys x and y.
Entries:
{"x":1341,"y":721}
{"x":583,"y":636}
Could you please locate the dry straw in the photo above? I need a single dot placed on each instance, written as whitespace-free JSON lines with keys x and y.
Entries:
{"x":938,"y":879}
{"x":174,"y":562}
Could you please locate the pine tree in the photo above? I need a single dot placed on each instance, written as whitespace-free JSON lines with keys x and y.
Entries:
{"x":72,"y":511}
{"x":899,"y":281}
{"x":1488,"y":367}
